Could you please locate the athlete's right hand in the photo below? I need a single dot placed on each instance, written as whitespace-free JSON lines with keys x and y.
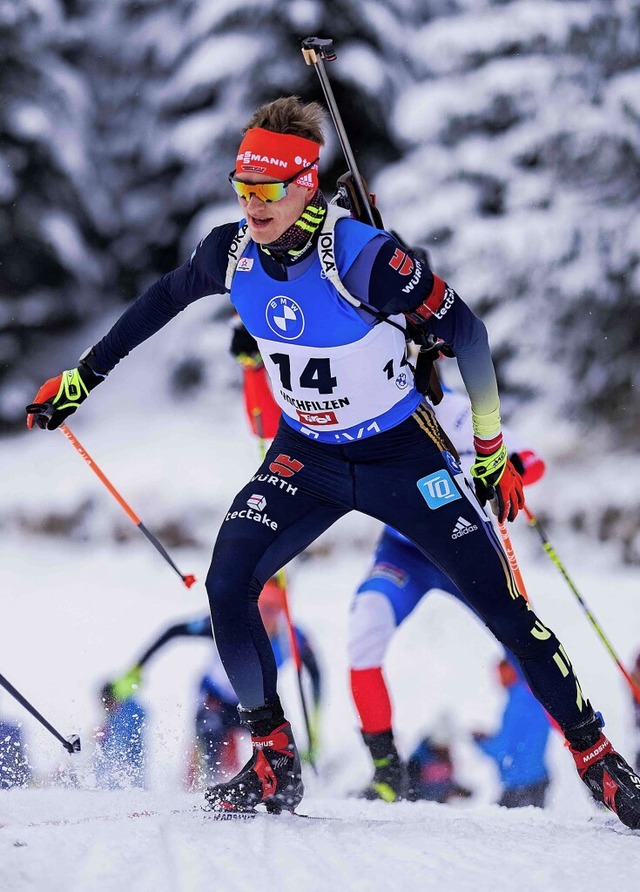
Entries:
{"x":59,"y":397}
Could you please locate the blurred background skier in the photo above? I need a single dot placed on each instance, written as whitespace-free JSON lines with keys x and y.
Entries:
{"x":119,"y":759}
{"x":217,"y":730}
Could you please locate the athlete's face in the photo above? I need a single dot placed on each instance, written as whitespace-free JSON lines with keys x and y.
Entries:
{"x":268,"y":220}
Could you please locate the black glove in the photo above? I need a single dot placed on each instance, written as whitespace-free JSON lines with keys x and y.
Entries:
{"x":59,"y":397}
{"x":244,"y":347}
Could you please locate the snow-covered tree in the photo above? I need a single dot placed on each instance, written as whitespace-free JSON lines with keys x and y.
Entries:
{"x":50,"y":197}
{"x":522,"y":133}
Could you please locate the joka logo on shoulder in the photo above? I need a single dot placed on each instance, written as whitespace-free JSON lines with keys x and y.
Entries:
{"x":285,"y":318}
{"x":438,"y":489}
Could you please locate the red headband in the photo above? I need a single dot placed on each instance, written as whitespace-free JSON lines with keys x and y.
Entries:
{"x":278,"y":155}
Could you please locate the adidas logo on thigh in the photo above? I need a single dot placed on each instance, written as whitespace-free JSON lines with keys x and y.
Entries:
{"x":462,"y":528}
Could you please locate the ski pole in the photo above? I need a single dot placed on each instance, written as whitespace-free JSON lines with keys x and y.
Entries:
{"x":513,"y":561}
{"x":315,"y":51}
{"x":187,"y":579}
{"x":71,"y":743}
{"x":550,"y":550}
{"x":255,"y":411}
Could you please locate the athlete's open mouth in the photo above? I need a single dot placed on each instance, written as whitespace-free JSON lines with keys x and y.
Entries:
{"x":259,"y":221}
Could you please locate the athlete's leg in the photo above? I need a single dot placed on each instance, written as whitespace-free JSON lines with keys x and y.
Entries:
{"x":422,"y":493}
{"x":274,"y":517}
{"x":390,"y":592}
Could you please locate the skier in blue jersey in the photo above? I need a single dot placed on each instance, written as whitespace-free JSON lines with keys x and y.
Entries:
{"x":328,"y":298}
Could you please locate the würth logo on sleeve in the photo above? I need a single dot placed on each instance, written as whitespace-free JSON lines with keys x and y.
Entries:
{"x":285,"y":466}
{"x":401,"y":262}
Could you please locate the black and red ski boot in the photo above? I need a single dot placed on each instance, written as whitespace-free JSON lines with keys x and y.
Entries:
{"x":272,"y":776}
{"x":609,"y":778}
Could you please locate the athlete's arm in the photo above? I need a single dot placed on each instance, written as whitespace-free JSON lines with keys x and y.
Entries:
{"x":204,"y":273}
{"x":200,"y":628}
{"x":389,"y":278}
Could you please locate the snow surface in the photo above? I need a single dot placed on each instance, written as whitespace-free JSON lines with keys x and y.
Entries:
{"x":78,"y":608}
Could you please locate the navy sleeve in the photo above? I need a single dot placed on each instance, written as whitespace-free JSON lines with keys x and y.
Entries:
{"x":204,"y":273}
{"x":200,"y":628}
{"x":396,"y":282}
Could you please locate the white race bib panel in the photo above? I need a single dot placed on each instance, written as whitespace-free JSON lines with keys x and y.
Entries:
{"x":336,"y":377}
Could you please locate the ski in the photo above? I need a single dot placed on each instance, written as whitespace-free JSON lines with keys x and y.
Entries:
{"x":204,"y":813}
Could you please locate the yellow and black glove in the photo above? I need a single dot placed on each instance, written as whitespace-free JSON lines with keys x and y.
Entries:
{"x":496,"y":480}
{"x":59,"y":397}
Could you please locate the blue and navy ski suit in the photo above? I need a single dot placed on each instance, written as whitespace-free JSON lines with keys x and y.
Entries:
{"x":355,"y":435}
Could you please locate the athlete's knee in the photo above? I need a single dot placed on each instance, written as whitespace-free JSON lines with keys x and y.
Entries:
{"x":520,"y":630}
{"x":372,"y":623}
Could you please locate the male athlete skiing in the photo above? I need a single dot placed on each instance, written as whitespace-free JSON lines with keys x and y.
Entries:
{"x":326,"y":300}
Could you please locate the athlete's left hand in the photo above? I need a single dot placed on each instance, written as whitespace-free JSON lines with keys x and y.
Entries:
{"x":496,"y":480}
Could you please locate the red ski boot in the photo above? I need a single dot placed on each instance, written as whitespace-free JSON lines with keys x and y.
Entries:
{"x":609,"y":778}
{"x":272,"y":775}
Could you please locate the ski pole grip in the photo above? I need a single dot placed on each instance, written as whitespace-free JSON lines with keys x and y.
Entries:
{"x":316,"y":48}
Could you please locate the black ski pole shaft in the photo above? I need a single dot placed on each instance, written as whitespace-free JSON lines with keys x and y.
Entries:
{"x":315,"y":51}
{"x":71,"y":743}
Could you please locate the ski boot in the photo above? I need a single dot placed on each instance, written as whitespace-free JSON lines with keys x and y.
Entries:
{"x":272,"y":776}
{"x":389,"y":780}
{"x":610,"y":780}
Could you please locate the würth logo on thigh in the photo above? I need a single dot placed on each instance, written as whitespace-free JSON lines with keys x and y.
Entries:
{"x":257,"y":504}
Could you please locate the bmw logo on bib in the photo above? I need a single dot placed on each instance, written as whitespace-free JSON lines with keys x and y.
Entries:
{"x":285,"y":318}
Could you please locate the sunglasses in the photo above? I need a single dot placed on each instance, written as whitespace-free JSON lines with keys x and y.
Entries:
{"x":267,"y":192}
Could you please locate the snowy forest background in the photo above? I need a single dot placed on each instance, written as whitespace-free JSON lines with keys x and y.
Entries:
{"x":504,"y":135}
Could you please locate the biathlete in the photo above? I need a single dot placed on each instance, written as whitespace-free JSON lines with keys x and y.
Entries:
{"x":328,"y":299}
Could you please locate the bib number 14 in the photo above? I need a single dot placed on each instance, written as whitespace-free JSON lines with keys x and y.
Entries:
{"x":316,"y":375}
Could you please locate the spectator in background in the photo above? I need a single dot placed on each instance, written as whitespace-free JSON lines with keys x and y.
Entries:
{"x":518,"y":747}
{"x":431,"y":769}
